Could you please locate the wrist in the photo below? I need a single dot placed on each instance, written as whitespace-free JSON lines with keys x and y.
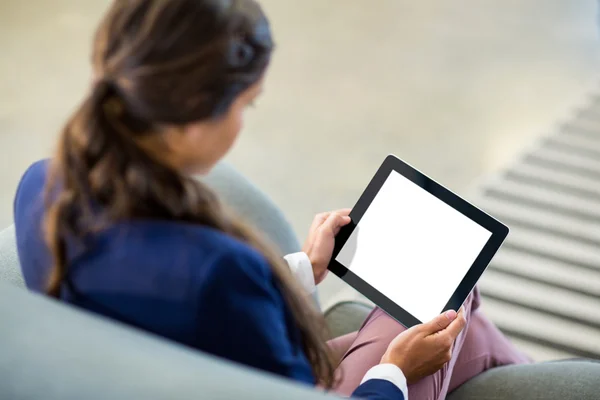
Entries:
{"x":390,"y":373}
{"x":319,"y":268}
{"x":319,"y":276}
{"x":388,"y":359}
{"x":385,"y":359}
{"x":312,"y":264}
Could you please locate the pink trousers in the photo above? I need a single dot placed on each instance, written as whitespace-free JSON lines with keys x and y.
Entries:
{"x":479,"y":346}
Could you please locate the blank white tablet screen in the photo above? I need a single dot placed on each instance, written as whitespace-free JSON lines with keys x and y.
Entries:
{"x":412,"y":247}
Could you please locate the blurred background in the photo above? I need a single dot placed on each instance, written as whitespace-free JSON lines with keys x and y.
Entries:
{"x":456,"y":88}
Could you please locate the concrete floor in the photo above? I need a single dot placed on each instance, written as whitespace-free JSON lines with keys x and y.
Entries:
{"x":456,"y":88}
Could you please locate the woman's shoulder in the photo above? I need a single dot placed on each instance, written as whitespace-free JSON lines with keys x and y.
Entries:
{"x":36,"y":170}
{"x":157,"y":234}
{"x":188,"y":248}
{"x":31,"y":185}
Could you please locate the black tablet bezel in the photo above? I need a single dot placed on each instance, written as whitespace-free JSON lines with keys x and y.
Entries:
{"x":391,"y":163}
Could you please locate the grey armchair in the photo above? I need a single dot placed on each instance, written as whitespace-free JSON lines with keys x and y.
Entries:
{"x":52,"y":351}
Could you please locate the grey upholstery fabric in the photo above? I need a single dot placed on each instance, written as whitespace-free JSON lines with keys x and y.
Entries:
{"x":54,"y":352}
{"x":345,"y":317}
{"x":248,"y":202}
{"x":66,"y":354}
{"x":9,"y":264}
{"x":562,"y":380}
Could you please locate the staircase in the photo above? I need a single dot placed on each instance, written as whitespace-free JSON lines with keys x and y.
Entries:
{"x":543,"y":287}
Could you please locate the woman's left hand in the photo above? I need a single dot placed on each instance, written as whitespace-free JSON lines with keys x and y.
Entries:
{"x":321,"y":239}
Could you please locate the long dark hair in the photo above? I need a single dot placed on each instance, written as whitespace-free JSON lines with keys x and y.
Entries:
{"x":157,"y":63}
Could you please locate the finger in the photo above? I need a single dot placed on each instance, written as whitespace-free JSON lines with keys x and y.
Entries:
{"x":439,"y":323}
{"x":344,"y":220}
{"x":447,"y":356}
{"x":322,"y":217}
{"x":457,"y":325}
{"x":318,"y":220}
{"x":334,"y":223}
{"x":344,"y":211}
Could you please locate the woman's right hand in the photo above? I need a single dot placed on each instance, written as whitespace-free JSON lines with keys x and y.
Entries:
{"x":423,"y":349}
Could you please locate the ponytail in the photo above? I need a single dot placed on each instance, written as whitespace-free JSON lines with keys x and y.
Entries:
{"x":68,"y":177}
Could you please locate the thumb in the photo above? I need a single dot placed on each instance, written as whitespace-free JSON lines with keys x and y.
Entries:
{"x":458,"y":324}
{"x":440,"y":322}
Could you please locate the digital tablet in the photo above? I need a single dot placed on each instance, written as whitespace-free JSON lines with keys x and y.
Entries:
{"x":413,"y":247}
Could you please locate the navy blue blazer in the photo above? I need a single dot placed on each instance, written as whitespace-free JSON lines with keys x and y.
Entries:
{"x":186,"y":282}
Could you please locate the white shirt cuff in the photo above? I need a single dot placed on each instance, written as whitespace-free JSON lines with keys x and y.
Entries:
{"x":302,"y":269}
{"x":390,"y":373}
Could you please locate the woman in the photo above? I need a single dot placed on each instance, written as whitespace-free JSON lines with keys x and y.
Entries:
{"x":129,"y":234}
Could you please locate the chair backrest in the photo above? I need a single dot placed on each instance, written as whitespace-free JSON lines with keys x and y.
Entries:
{"x":52,"y":351}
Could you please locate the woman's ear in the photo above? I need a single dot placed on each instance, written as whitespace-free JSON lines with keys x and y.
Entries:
{"x":194,"y":132}
{"x":179,"y":138}
{"x":187,"y":145}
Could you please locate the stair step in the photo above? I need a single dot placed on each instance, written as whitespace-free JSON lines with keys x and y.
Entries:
{"x":551,"y":272}
{"x":581,"y":254}
{"x":547,"y":330}
{"x":582,"y":141}
{"x":567,"y":155}
{"x":544,"y":198}
{"x":528,"y":215}
{"x":556,"y":177}
{"x":537,"y":296}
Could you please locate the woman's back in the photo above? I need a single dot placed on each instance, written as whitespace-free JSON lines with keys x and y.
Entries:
{"x":189,"y":283}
